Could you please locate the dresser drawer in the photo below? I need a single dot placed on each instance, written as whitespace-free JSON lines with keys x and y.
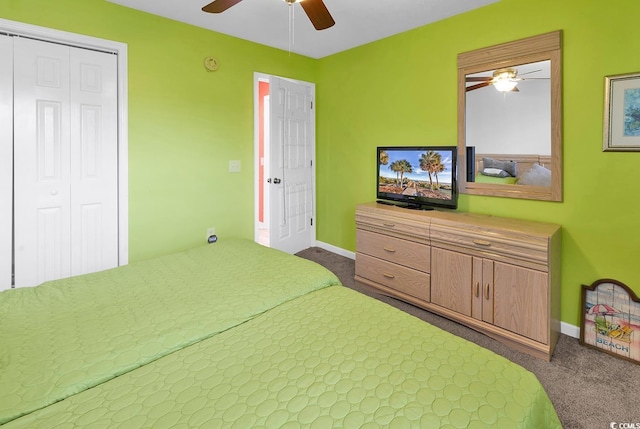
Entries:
{"x":394,"y":225}
{"x":403,"y":279}
{"x":407,"y":253}
{"x":503,"y":244}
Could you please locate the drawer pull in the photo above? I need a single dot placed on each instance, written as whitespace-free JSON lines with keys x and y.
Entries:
{"x":486,"y":291}
{"x":389,"y":276}
{"x":482,"y":242}
{"x":389,"y":249}
{"x":477,"y":289}
{"x":390,"y":225}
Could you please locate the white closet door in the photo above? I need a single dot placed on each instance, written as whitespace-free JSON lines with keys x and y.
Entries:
{"x":94,"y":161}
{"x":61,"y":135}
{"x":42,"y":162}
{"x":6,"y":159}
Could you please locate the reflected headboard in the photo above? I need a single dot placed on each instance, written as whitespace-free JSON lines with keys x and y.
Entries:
{"x":524,"y":161}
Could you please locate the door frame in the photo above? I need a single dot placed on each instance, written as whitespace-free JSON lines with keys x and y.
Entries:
{"x":14,"y":28}
{"x":257,"y":77}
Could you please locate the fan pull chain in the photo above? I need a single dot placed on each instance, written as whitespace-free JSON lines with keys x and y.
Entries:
{"x":291,"y":26}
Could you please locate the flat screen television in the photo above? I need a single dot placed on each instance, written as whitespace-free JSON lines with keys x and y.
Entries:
{"x":419,"y":177}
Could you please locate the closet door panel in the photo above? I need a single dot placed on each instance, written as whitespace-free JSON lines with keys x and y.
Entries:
{"x":6,"y":159}
{"x":94,"y":161}
{"x":42,"y":159}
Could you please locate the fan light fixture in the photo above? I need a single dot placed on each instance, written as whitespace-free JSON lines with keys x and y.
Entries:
{"x":505,"y":80}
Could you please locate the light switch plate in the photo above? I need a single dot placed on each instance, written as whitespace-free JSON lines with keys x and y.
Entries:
{"x":234,"y":166}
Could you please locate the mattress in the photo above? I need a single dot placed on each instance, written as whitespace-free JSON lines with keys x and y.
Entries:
{"x":329,"y":358}
{"x":66,"y":336}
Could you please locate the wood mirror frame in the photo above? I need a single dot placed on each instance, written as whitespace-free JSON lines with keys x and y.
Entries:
{"x":533,"y":49}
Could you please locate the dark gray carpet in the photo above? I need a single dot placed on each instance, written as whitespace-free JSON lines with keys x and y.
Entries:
{"x":589,"y":389}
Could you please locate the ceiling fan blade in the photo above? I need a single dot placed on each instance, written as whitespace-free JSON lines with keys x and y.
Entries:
{"x":478,"y":78}
{"x":478,"y":86}
{"x":318,"y":13}
{"x":529,"y":72}
{"x":218,"y":6}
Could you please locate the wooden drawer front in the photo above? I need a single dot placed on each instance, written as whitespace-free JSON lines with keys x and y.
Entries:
{"x":534,"y":250}
{"x":402,"y":252}
{"x":394,"y":225}
{"x":403,"y":279}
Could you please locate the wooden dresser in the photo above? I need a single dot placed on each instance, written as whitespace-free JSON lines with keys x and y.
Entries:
{"x":499,"y":276}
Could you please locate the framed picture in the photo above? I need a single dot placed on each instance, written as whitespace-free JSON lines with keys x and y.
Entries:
{"x":622,"y":113}
{"x":610,"y":319}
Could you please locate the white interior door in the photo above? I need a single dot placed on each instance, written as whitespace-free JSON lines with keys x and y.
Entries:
{"x":6,"y":160}
{"x":291,"y":170}
{"x":65,"y":153}
{"x":42,"y":159}
{"x":94,"y":161}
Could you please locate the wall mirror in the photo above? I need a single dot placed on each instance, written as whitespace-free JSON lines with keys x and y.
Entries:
{"x":509,"y":119}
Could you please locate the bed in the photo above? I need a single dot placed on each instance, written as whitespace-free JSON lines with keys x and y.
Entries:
{"x":238,"y":335}
{"x":513,"y":169}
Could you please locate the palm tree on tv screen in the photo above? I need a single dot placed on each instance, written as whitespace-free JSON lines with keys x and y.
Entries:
{"x":429,"y":162}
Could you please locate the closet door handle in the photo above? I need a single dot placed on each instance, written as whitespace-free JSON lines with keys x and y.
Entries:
{"x":477,"y":289}
{"x":486,"y":291}
{"x":389,"y":249}
{"x":389,"y":276}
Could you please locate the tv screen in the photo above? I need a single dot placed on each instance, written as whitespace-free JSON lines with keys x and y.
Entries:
{"x":418,"y":176}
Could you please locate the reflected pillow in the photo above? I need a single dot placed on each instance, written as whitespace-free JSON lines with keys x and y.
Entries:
{"x":536,"y":176}
{"x":495,"y":172}
{"x":508,"y":166}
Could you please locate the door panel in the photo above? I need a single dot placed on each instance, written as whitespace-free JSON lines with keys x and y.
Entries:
{"x":291,"y":166}
{"x":41,"y":150}
{"x":94,"y":161}
{"x":451,"y":280}
{"x":6,"y":159}
{"x":521,"y":309}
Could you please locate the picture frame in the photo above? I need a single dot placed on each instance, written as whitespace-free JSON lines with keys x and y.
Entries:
{"x":610,"y":319}
{"x":622,"y":113}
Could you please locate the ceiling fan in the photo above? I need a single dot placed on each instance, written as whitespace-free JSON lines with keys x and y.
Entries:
{"x":315,"y":9}
{"x":504,"y":80}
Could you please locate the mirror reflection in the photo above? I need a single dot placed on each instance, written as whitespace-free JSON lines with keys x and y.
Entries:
{"x":508,"y":124}
{"x":509,"y":119}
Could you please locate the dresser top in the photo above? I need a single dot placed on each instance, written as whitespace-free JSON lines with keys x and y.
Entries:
{"x":455,"y":217}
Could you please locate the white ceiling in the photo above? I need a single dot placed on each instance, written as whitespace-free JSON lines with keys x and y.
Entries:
{"x":267,"y":21}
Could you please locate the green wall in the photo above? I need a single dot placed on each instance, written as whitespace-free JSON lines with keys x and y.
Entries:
{"x":185,"y":123}
{"x":402,"y":91}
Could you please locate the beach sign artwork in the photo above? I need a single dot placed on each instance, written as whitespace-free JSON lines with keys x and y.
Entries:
{"x":610,"y":319}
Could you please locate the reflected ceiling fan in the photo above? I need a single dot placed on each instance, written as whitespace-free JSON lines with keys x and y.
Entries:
{"x":315,"y":9}
{"x":504,"y":80}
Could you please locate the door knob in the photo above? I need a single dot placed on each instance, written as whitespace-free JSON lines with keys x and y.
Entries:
{"x":276,"y":180}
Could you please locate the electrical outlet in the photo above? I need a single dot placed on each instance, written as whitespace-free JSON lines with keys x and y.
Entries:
{"x":211,"y":231}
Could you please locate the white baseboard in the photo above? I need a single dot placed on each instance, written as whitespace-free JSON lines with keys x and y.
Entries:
{"x":570,"y":330}
{"x":336,"y":250}
{"x":565,"y":328}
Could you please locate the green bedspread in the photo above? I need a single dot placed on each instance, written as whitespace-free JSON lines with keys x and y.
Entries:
{"x":66,"y":336}
{"x":330,"y":358}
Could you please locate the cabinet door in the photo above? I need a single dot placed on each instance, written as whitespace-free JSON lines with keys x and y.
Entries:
{"x":521,"y":301}
{"x":451,"y":275}
{"x":482,"y":290}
